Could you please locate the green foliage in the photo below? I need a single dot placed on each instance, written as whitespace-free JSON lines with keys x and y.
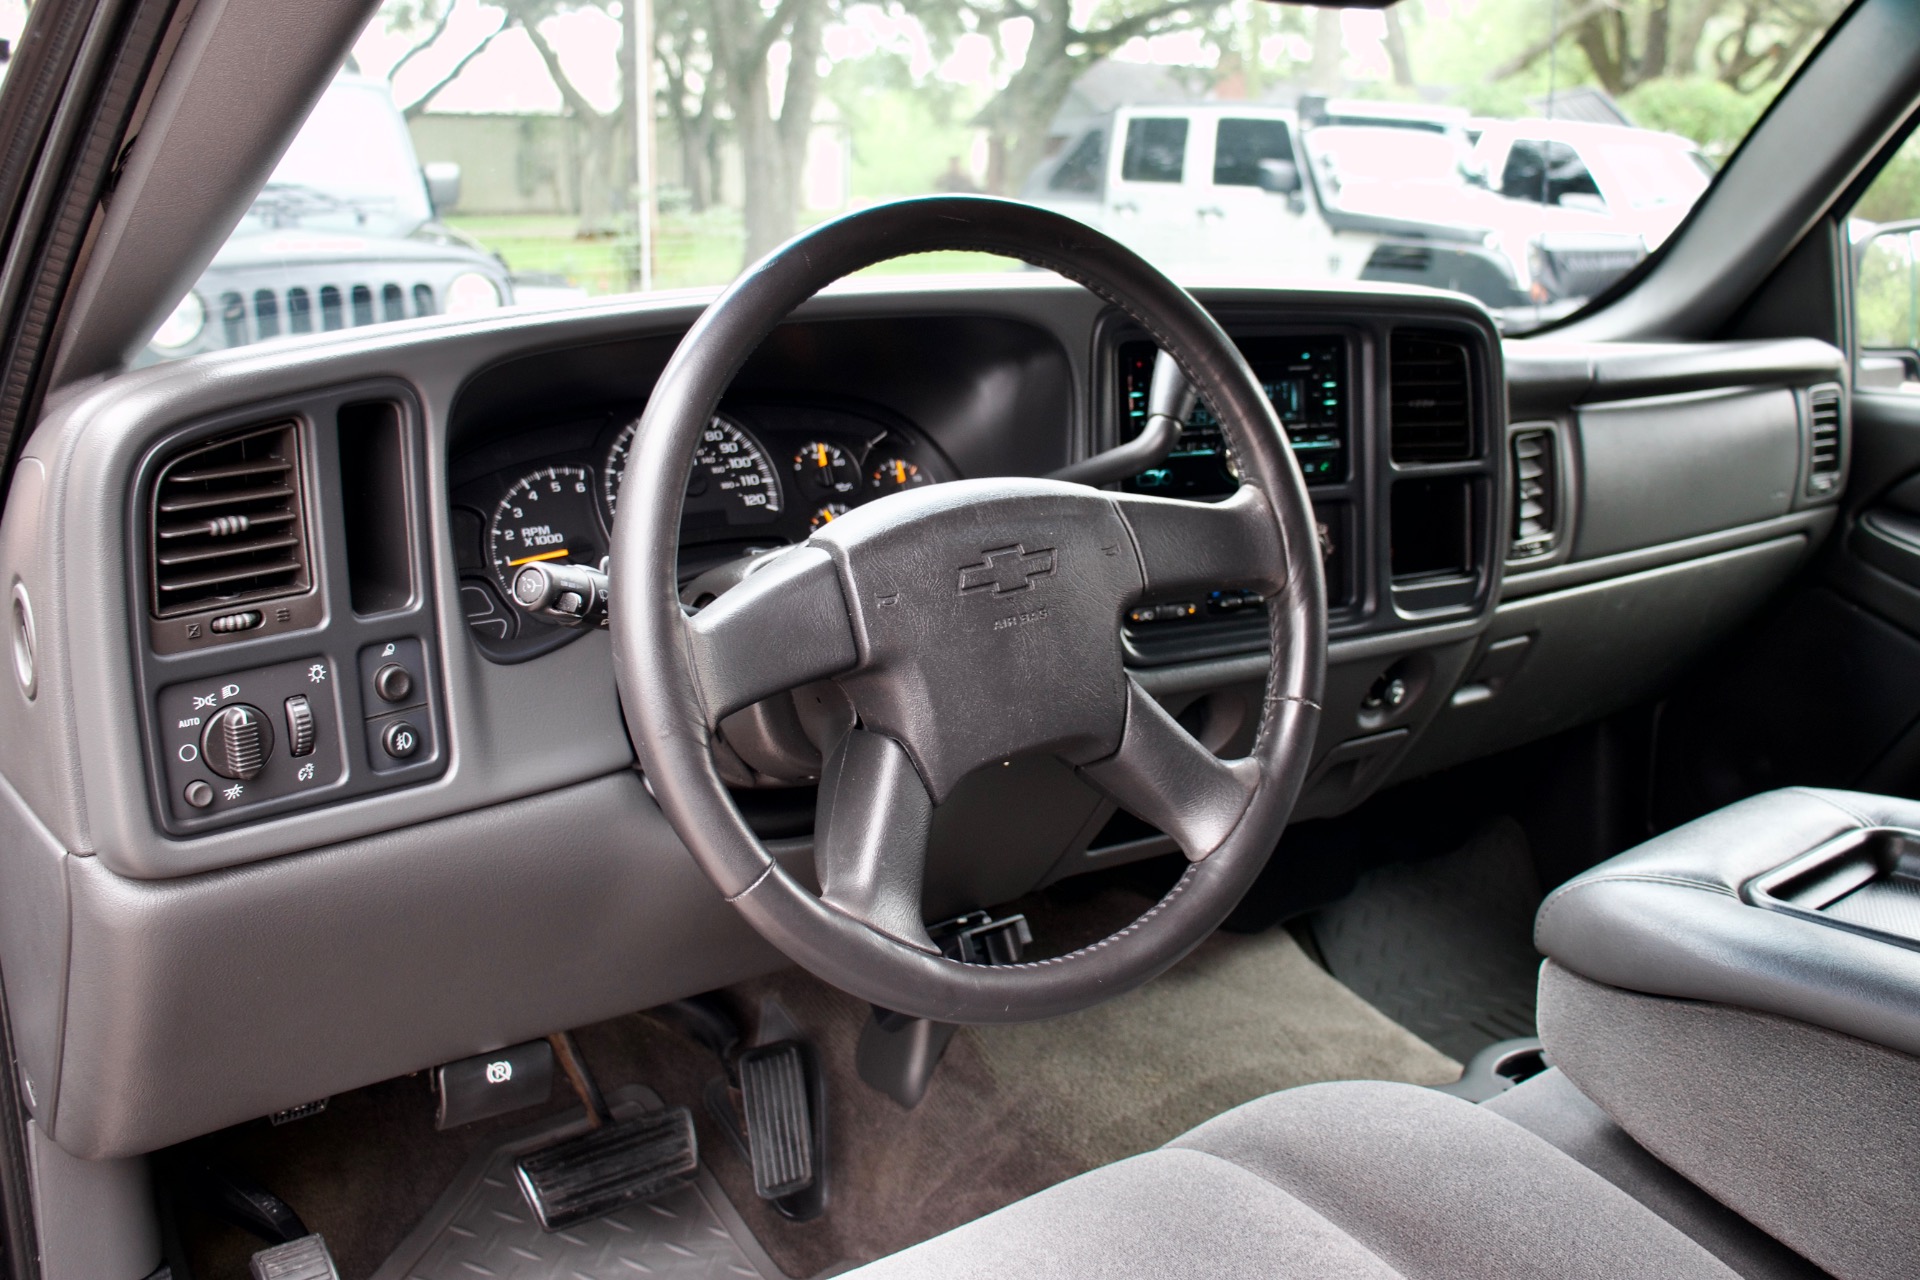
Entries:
{"x":1712,"y":113}
{"x":1895,"y":193}
{"x":1884,"y":294}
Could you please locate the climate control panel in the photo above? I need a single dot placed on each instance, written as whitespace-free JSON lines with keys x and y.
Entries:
{"x":262,"y":740}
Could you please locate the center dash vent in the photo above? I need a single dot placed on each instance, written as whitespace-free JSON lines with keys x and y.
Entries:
{"x":1536,"y":493}
{"x":1431,"y":399}
{"x":227,"y":525}
{"x":1823,"y":440}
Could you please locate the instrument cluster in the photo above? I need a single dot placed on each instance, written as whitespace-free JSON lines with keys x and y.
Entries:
{"x":763,"y":475}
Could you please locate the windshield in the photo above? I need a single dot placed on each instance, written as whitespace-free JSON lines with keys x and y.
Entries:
{"x":475,"y":154}
{"x":1374,"y":154}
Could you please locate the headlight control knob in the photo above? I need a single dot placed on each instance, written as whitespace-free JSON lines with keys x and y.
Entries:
{"x":237,"y":742}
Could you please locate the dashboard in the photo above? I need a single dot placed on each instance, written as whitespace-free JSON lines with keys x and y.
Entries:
{"x":766,"y":474}
{"x":286,"y":734}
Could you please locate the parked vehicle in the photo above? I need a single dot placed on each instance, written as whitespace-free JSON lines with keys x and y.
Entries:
{"x":1640,"y":181}
{"x":345,"y":233}
{"x":1401,"y":170}
{"x":1210,"y":189}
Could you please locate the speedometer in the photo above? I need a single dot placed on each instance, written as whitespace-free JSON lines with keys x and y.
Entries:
{"x":731,"y":480}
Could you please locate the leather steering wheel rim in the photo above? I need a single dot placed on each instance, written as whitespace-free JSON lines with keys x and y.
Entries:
{"x":853,"y":606}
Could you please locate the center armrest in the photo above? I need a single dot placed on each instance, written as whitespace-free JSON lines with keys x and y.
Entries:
{"x":1699,"y":914}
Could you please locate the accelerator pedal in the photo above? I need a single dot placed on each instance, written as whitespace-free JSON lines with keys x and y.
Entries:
{"x":613,"y":1164}
{"x":777,"y":1095}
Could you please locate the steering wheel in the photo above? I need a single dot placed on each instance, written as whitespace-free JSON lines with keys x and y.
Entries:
{"x":966,"y":623}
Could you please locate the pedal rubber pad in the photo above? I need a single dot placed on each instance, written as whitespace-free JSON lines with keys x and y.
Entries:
{"x":778,"y":1100}
{"x":596,"y":1172}
{"x":304,"y":1259}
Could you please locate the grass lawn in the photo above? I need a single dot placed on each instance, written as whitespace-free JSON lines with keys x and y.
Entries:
{"x":691,"y":250}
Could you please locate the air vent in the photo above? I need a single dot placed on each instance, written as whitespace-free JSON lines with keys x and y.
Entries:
{"x":227,"y":524}
{"x":1536,"y":493}
{"x":1431,"y":400}
{"x":1823,"y":440}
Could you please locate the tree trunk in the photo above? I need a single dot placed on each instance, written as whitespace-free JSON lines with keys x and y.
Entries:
{"x":1397,"y":51}
{"x":1329,"y":51}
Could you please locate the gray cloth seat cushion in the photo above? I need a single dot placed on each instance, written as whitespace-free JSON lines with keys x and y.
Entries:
{"x":1334,"y":1181}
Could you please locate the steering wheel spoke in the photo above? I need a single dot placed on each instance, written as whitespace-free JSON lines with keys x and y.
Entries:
{"x":1162,"y":775}
{"x":1193,"y":546}
{"x":870,"y":836}
{"x":781,"y":627}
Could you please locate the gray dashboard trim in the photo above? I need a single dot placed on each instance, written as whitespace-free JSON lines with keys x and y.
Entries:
{"x":201,"y":1002}
{"x":1813,"y":524}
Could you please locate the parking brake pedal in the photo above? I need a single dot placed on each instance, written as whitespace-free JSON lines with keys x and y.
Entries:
{"x":614,"y":1163}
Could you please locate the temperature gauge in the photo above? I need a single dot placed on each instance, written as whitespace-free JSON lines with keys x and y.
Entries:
{"x":829,"y":513}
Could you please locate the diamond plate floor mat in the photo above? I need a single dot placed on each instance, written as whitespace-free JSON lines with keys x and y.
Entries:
{"x":1444,"y":947}
{"x":482,"y":1227}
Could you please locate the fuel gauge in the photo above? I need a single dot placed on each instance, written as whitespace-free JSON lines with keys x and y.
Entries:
{"x":828,"y":514}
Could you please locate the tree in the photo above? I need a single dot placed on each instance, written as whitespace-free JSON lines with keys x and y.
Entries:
{"x":434,"y":16}
{"x":1059,"y":52}
{"x":690,"y":90}
{"x":597,"y":178}
{"x":743,"y":36}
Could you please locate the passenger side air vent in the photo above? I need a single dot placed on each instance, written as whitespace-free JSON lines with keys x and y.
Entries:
{"x":227,"y":525}
{"x":1431,"y":399}
{"x":1823,"y":440}
{"x":1536,"y":493}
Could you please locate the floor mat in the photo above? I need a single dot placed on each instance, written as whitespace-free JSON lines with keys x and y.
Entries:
{"x":1444,"y":947}
{"x":483,"y":1227}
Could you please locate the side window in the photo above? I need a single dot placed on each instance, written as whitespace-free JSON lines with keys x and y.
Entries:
{"x":1156,"y":150}
{"x":1083,"y":167}
{"x":1546,"y":173}
{"x":1884,"y":228}
{"x":1241,"y":145}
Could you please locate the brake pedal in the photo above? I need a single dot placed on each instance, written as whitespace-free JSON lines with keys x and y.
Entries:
{"x":614,"y":1163}
{"x":306,"y":1258}
{"x":776,"y":1093}
{"x":608,"y":1167}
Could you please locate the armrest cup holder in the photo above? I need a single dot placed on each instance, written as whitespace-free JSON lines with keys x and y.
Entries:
{"x":1866,"y":881}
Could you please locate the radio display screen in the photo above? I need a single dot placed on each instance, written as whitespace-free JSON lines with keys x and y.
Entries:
{"x":1304,"y":378}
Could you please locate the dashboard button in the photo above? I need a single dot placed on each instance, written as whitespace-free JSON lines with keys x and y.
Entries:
{"x":393,"y":682}
{"x":199,"y":794}
{"x":400,"y":740}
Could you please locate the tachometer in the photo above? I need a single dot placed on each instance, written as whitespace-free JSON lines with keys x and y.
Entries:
{"x":547,"y":515}
{"x":731,"y":477}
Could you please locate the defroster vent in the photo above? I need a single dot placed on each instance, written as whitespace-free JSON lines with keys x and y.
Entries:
{"x":1431,"y":399}
{"x":227,"y":524}
{"x":1823,"y":440}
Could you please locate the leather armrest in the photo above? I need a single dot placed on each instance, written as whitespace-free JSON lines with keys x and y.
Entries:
{"x":1667,"y":919}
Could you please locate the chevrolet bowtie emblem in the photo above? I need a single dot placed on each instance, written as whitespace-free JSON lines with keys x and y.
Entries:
{"x":1006,"y":570}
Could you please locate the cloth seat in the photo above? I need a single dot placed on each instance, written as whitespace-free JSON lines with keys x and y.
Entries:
{"x":1327,"y":1181}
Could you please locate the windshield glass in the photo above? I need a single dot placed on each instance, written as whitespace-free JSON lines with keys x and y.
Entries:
{"x":475,"y":154}
{"x":1374,"y":154}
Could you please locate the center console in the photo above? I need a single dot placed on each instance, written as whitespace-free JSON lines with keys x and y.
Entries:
{"x":1742,"y":996}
